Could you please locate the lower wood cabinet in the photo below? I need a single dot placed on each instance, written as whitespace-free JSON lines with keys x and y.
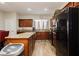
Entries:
{"x":31,"y":44}
{"x":42,"y":35}
{"x":22,"y":40}
{"x":28,"y":44}
{"x":54,"y":38}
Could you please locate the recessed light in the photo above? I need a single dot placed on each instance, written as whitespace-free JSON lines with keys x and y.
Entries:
{"x":45,"y":9}
{"x":29,"y":9}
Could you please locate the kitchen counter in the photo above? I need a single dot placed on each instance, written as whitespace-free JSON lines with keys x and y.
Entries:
{"x":22,"y":35}
{"x":27,"y":38}
{"x":42,"y":30}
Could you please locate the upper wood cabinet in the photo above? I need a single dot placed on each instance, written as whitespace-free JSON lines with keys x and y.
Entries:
{"x":25,"y":22}
{"x":76,"y":4}
{"x":72,"y":4}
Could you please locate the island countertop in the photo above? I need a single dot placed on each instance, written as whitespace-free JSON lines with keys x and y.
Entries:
{"x":22,"y":35}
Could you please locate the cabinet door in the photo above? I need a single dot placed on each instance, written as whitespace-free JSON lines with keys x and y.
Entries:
{"x":30,"y":46}
{"x":76,"y":4}
{"x":25,"y":22}
{"x":38,"y":35}
{"x":45,"y":35}
{"x":42,"y":35}
{"x":24,"y":41}
{"x":70,"y":4}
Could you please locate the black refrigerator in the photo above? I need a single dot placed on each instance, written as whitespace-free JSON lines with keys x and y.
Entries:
{"x":67,"y":33}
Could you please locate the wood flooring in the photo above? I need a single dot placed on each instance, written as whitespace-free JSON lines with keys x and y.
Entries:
{"x":44,"y":48}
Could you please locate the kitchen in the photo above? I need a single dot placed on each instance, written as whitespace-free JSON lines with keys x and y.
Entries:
{"x":34,"y":24}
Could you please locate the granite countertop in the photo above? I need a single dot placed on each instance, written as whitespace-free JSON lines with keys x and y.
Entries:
{"x":38,"y":30}
{"x":23,"y":35}
{"x":42,"y":30}
{"x":24,"y":30}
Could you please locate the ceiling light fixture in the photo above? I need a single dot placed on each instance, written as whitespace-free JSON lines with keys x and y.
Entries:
{"x":29,"y":9}
{"x":45,"y":9}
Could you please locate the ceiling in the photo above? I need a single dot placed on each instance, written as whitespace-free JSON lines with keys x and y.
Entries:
{"x":37,"y":7}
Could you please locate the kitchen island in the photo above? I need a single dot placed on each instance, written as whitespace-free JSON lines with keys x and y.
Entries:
{"x":27,"y":38}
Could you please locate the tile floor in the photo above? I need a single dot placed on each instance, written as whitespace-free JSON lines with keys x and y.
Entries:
{"x":43,"y":48}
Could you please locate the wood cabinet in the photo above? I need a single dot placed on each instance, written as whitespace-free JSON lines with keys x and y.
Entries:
{"x":20,"y":40}
{"x":42,"y":35}
{"x":76,"y":4}
{"x":72,"y":4}
{"x":54,"y":38}
{"x":25,"y":22}
{"x":32,"y":44}
{"x":28,"y":44}
{"x":51,"y":37}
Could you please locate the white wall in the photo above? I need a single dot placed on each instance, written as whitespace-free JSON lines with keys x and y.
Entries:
{"x":10,"y":22}
{"x":35,"y":17}
{"x":1,"y":21}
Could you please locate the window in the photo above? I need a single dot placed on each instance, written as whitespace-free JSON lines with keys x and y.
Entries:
{"x":40,"y":24}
